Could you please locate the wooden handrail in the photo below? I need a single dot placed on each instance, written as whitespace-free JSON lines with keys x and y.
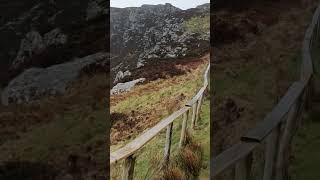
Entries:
{"x":277,"y":142}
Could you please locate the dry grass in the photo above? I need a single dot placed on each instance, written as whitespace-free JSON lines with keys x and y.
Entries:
{"x":186,"y":163}
{"x":171,"y":173}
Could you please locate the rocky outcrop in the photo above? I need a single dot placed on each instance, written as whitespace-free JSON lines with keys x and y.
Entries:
{"x":125,"y":87}
{"x":120,"y":75}
{"x":139,"y":34}
{"x":42,"y":33}
{"x":36,"y":83}
{"x":34,"y":44}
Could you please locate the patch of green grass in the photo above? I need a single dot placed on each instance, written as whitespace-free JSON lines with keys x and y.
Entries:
{"x":202,"y":135}
{"x":199,"y":25}
{"x":154,"y":97}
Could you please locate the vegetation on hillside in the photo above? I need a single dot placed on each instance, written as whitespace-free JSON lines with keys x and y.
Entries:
{"x":198,"y":24}
{"x":160,"y":98}
{"x":59,"y":132}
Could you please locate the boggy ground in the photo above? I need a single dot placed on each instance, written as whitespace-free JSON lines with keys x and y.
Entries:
{"x":255,"y":66}
{"x":169,"y":84}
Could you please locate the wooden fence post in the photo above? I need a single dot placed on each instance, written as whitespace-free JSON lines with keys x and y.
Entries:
{"x":270,"y":154}
{"x":184,"y":129}
{"x":128,"y":168}
{"x":194,"y":111}
{"x":243,"y":168}
{"x":285,"y":140}
{"x":167,"y":147}
{"x":199,"y":103}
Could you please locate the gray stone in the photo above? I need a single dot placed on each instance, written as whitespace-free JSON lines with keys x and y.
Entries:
{"x":125,"y":87}
{"x":35,"y":83}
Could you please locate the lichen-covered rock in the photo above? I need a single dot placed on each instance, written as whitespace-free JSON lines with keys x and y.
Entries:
{"x":36,"y":83}
{"x":120,"y":75}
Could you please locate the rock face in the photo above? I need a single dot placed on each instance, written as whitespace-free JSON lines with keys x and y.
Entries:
{"x":152,"y":32}
{"x":42,"y":33}
{"x":35,"y":83}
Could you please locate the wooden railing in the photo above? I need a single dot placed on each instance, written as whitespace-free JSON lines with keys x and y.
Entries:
{"x":276,"y":131}
{"x":127,"y":153}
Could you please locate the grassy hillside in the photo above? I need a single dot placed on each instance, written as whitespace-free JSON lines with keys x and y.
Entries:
{"x":161,"y":98}
{"x":147,"y":104}
{"x":199,"y":25}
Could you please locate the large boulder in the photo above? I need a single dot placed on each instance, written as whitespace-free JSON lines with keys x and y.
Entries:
{"x":125,"y":87}
{"x":35,"y":83}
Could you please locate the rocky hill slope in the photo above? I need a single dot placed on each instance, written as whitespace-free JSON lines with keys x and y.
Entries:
{"x":150,"y":32}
